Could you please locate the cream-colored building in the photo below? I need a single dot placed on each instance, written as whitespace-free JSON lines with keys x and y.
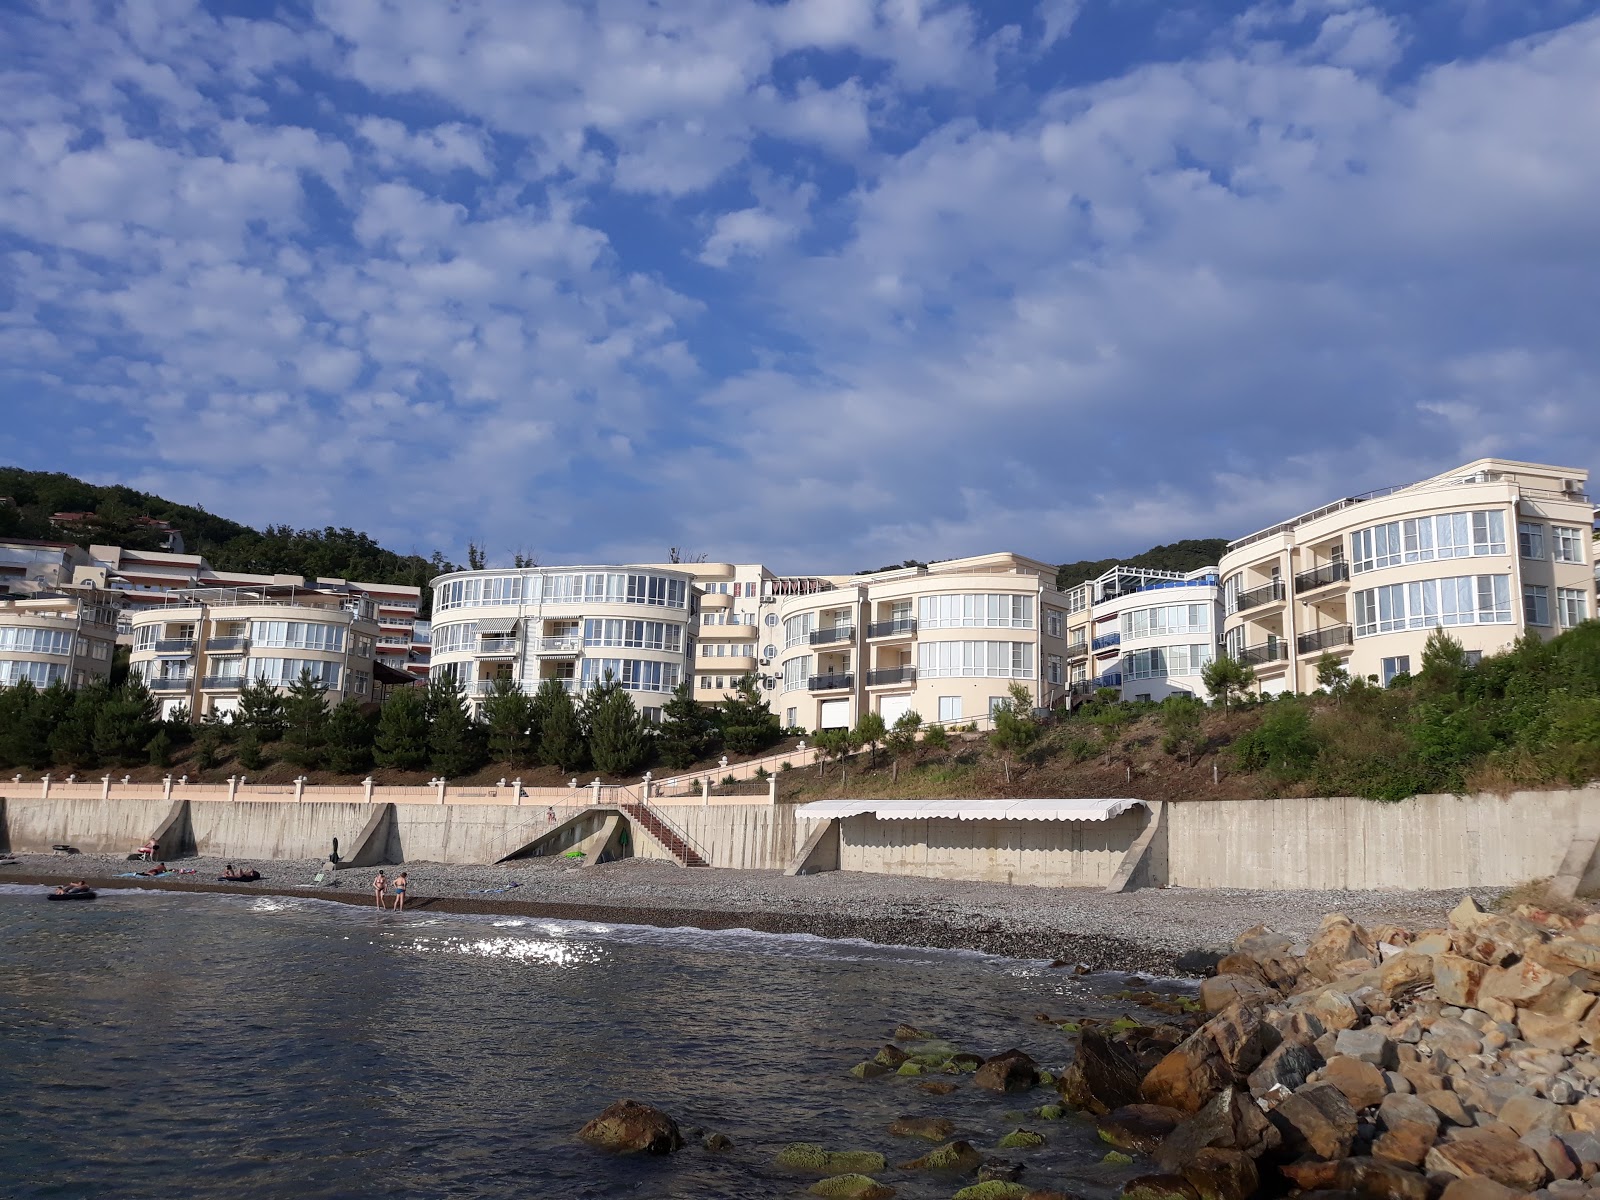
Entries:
{"x":196,"y":649}
{"x":67,"y":636}
{"x":1486,"y":551}
{"x":1145,"y":633}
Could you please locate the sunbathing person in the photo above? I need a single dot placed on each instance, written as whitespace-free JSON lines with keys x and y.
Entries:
{"x":234,"y":875}
{"x":159,"y":869}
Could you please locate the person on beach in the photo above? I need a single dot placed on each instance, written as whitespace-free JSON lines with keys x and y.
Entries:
{"x":159,"y":869}
{"x":399,"y":891}
{"x":379,"y":886}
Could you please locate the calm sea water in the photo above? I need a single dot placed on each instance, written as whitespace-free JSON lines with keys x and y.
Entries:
{"x":154,"y":1044}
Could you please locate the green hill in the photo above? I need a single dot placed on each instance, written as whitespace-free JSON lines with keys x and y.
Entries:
{"x":1188,"y":555}
{"x":119,"y":516}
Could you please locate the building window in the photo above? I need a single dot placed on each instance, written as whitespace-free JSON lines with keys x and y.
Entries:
{"x":358,"y":682}
{"x":1535,"y":604}
{"x":1167,"y":620}
{"x":1425,"y":539}
{"x":36,"y":641}
{"x":1002,"y":660}
{"x":1573,"y":606}
{"x":722,"y":684}
{"x":1053,"y":671}
{"x":1473,"y":657}
{"x":975,"y":609}
{"x":797,"y":629}
{"x":791,"y":717}
{"x":1464,"y":600}
{"x":634,"y":674}
{"x":447,"y":639}
{"x":639,"y":635}
{"x":41,"y":675}
{"x":1078,"y":599}
{"x":795,"y":672}
{"x":285,"y":671}
{"x":297,"y":635}
{"x":1159,"y":662}
{"x":1530,"y":539}
{"x":1398,"y":665}
{"x":1568,"y":543}
{"x":949,"y":708}
{"x":1054,"y":622}
{"x":651,"y":715}
{"x":998,"y":702}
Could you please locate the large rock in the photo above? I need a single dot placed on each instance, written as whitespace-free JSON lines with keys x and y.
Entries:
{"x":1288,"y":1067}
{"x":960,"y":1157}
{"x":1198,"y":962}
{"x":891,"y":1057}
{"x":1406,"y":973}
{"x":1495,"y":940}
{"x":1138,"y":1128}
{"x":1362,"y":1083}
{"x":1104,"y":1075}
{"x":1370,"y":1045}
{"x":1477,"y":1187}
{"x":1375,"y":1179}
{"x":929,"y":1129}
{"x":1335,"y":1011}
{"x":1220,"y":1053}
{"x":1010,"y":1071}
{"x":1339,"y":941}
{"x":1526,"y":1113}
{"x":1317,"y":1121}
{"x":1410,"y":1127}
{"x":628,"y":1127}
{"x":1231,"y":1121}
{"x":1456,"y":979}
{"x":808,"y":1156}
{"x":1218,"y":1174}
{"x":1259,"y":942}
{"x":1447,"y":1104}
{"x":1553,"y":1153}
{"x":1479,"y":1152}
{"x":1549,"y":1032}
{"x":1524,"y":984}
{"x":1221,"y":991}
{"x":852,"y":1187}
{"x":1159,"y":1187}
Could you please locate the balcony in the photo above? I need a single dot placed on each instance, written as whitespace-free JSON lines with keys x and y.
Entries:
{"x":562,"y":647}
{"x":889,"y":676}
{"x":831,"y":683}
{"x":485,"y":687}
{"x":221,"y":683}
{"x":1106,"y":640}
{"x":1256,"y":597}
{"x":899,"y":627}
{"x":497,"y":646}
{"x":1323,"y":639}
{"x":170,"y":683}
{"x":227,"y":645}
{"x":1321,"y":577}
{"x":1111,"y":679}
{"x":1268,"y":652}
{"x":839,"y":633}
{"x":1078,"y":649}
{"x":174,"y":645}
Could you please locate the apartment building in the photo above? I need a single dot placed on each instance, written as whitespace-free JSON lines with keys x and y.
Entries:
{"x":197,"y":648}
{"x":48,"y":637}
{"x":28,"y":566}
{"x":1147,"y":634}
{"x":1487,"y":551}
{"x":725,"y":626}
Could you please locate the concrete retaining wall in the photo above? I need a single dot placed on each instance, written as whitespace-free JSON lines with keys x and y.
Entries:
{"x":1043,"y":853}
{"x":93,"y":826}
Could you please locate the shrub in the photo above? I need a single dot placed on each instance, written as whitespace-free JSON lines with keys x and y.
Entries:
{"x":936,"y":738}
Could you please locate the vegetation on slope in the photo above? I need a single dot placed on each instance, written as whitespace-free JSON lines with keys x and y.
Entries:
{"x":1188,"y":555}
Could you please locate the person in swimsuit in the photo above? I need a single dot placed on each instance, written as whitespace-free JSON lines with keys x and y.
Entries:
{"x":156,"y":870}
{"x":379,"y":886}
{"x":399,"y":891}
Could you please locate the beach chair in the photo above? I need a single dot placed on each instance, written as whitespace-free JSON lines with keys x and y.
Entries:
{"x":63,"y":849}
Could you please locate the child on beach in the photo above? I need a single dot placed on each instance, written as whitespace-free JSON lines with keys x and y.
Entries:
{"x":379,"y":886}
{"x":399,"y":891}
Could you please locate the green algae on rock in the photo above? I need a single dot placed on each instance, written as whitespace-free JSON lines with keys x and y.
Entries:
{"x":952,"y":1156}
{"x":852,"y":1187}
{"x":930,"y":1129}
{"x":1021,"y":1139}
{"x":809,"y":1156}
{"x":993,"y":1189}
{"x":868,"y":1070}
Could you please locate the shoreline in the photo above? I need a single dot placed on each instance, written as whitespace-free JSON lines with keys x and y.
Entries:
{"x":1145,"y":931}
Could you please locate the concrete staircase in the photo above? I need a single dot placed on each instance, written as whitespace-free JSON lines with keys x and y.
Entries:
{"x":671,"y":840}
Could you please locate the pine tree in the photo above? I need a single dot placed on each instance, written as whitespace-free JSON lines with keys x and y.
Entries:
{"x":870,"y":731}
{"x":261,"y":709}
{"x":24,"y":737}
{"x":508,"y":715}
{"x":160,"y":749}
{"x":561,"y":742}
{"x":250,"y":756}
{"x":901,"y":739}
{"x":748,"y":725}
{"x":72,"y":740}
{"x":401,"y":742}
{"x":618,"y":741}
{"x":208,"y":742}
{"x":455,"y":740}
{"x":125,"y":724}
{"x":350,"y":732}
{"x":305,"y":719}
{"x":686,"y":729}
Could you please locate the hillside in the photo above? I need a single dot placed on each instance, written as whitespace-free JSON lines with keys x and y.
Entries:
{"x":1188,"y":555}
{"x":121,"y":516}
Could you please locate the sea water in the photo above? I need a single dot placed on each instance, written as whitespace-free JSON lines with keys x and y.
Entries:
{"x":161,"y":1044}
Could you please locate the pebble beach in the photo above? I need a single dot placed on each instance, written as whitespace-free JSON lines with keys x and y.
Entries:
{"x":1139,"y":931}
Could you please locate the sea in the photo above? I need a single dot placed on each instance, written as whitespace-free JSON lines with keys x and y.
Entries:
{"x":163,"y":1044}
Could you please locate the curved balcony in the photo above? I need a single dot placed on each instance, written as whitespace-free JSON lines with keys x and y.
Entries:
{"x":222,"y":683}
{"x":899,"y":627}
{"x":1270,"y":593}
{"x":174,"y":645}
{"x":227,"y":645}
{"x":831,"y":683}
{"x":890,"y":676}
{"x":497,"y":647}
{"x":1267,"y":652}
{"x":559,"y":647}
{"x":1319,"y":640}
{"x":1106,"y":640}
{"x":839,"y":633}
{"x":1321,"y":577}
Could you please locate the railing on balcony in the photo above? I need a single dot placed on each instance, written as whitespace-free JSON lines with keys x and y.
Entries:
{"x":485,"y":687}
{"x":1078,"y":649}
{"x":227,"y":645}
{"x":174,"y":645}
{"x":1256,"y":597}
{"x":214,"y":683}
{"x":170,"y":683}
{"x":1254,"y":656}
{"x":1333,"y":572}
{"x":830,"y":683}
{"x":1323,"y":639}
{"x":560,"y":645}
{"x":895,"y":628}
{"x":1111,"y":679}
{"x":891,"y":675}
{"x":497,"y":645}
{"x":1106,"y":640}
{"x":839,"y":633}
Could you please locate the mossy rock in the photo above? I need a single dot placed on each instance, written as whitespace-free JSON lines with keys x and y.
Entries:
{"x":912,"y":1068}
{"x":910,"y":1033}
{"x":1022,"y":1139}
{"x":1123,"y":1024}
{"x":1050,"y":1112}
{"x":1070,"y":1027}
{"x":868,"y":1070}
{"x":1158,"y":1187}
{"x":1047,"y":1079}
{"x":937,"y":1087}
{"x":952,"y":1156}
{"x":808,"y":1156}
{"x":890,"y":1057}
{"x":993,"y":1189}
{"x":1117,"y":1159}
{"x":961,"y":1064}
{"x":929,"y":1129}
{"x":852,"y":1187}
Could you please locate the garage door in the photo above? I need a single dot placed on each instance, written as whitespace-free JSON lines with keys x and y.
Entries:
{"x":835,"y":715}
{"x":892,"y":708}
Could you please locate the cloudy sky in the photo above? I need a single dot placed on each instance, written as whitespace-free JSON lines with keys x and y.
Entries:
{"x":824,"y":283}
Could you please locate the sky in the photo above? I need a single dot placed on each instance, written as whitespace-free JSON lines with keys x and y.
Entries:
{"x":823,"y":284}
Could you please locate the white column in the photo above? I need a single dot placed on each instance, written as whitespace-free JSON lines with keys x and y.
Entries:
{"x":594,"y":789}
{"x":772,"y":788}
{"x":44,"y":787}
{"x":644,"y":790}
{"x":233,"y":787}
{"x":299,"y":788}
{"x":366,"y":788}
{"x":166,"y":787}
{"x":105,"y":787}
{"x":441,"y":785}
{"x":516,"y":788}
{"x":705,"y":791}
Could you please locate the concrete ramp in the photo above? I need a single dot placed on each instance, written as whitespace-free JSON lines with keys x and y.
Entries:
{"x":1144,"y":864}
{"x":372,"y":846}
{"x":1578,"y":869}
{"x":820,"y":852}
{"x":174,"y":838}
{"x":595,"y":831}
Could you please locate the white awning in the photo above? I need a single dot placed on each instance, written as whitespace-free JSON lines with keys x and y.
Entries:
{"x":496,"y":625}
{"x":971,"y":810}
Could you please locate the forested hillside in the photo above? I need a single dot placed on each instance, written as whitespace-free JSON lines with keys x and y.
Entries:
{"x":1188,"y":555}
{"x":229,"y":546}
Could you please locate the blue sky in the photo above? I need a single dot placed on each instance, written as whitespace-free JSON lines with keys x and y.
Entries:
{"x":825,"y":283}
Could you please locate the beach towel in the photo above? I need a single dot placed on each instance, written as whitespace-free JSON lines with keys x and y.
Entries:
{"x":492,"y":891}
{"x":142,"y":875}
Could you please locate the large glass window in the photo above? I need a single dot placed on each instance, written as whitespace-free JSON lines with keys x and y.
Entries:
{"x":1167,"y":620}
{"x":1530,"y":539}
{"x":1077,"y":599}
{"x":797,"y":629}
{"x":284,"y":671}
{"x":1568,"y":543}
{"x":41,"y":674}
{"x":1464,"y":600}
{"x":975,"y":609}
{"x":1159,"y":662}
{"x":1535,"y":604}
{"x":641,"y":635}
{"x":1426,"y":539}
{"x":296,"y":635}
{"x":795,"y":672}
{"x":1000,"y":660}
{"x":615,"y":587}
{"x":145,"y":637}
{"x":634,"y":674}
{"x":36,"y":641}
{"x":1573,"y":606}
{"x":449,"y":639}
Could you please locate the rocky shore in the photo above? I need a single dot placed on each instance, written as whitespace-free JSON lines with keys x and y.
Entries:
{"x":1142,"y":931}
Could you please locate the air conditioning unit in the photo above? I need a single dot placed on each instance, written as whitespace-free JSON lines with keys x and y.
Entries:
{"x":766,"y":662}
{"x":769,"y":599}
{"x":1571,"y":485}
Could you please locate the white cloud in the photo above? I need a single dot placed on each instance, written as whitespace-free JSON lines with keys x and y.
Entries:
{"x":442,"y":148}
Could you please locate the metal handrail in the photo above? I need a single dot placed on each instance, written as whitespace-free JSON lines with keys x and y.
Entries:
{"x":221,"y":645}
{"x":1323,"y":639}
{"x":1337,"y":571}
{"x":1107,"y":639}
{"x":1256,"y":597}
{"x":489,"y":644}
{"x":890,"y":628}
{"x":830,"y":683}
{"x":1078,"y":649}
{"x":172,"y":645}
{"x":1267,"y":652}
{"x":215,"y":682}
{"x":839,"y":633}
{"x":560,"y":645}
{"x":891,"y":675}
{"x":170,"y":683}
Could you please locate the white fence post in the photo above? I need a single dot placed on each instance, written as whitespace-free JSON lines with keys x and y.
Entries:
{"x":772,"y":788}
{"x":705,"y":791}
{"x":366,"y":787}
{"x":516,"y":786}
{"x":233,"y":787}
{"x":44,"y":787}
{"x":166,"y":787}
{"x":299,"y":788}
{"x":105,"y":787}
{"x":441,"y":785}
{"x":595,"y":791}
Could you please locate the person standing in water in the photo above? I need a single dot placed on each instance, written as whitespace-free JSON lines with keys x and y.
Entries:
{"x":379,"y":886}
{"x":399,"y":891}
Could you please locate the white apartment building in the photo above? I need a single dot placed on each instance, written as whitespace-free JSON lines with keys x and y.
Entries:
{"x":1487,"y":551}
{"x":48,"y":637}
{"x":1146,"y":633}
{"x":196,"y":649}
